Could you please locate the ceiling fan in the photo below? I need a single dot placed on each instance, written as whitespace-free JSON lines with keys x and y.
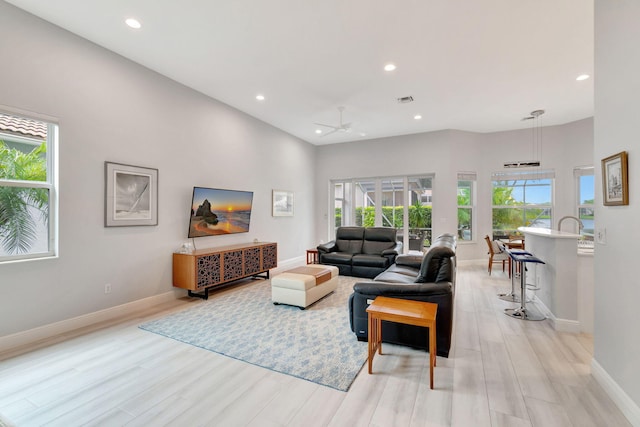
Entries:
{"x":342,"y":127}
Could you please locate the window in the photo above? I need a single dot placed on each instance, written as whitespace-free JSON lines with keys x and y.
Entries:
{"x":585,"y":192}
{"x":420,"y":198}
{"x":365,"y":192}
{"x":392,"y":202}
{"x":404,"y":203}
{"x":521,"y":199}
{"x":342,"y":203}
{"x":28,"y":199}
{"x":466,"y":202}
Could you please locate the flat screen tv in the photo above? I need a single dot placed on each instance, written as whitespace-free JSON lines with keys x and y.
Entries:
{"x":215,"y":211}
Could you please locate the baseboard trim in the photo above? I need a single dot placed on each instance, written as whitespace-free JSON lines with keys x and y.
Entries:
{"x":564,"y":325}
{"x":622,"y":400}
{"x":31,"y":336}
{"x":34,"y":335}
{"x":288,"y":264}
{"x":561,"y":325}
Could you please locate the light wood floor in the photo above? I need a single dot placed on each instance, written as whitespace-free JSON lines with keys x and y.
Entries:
{"x":501,"y":372}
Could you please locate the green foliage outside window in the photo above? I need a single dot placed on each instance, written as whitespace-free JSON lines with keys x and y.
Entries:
{"x":18,"y":227}
{"x":464,"y":214}
{"x":509,"y":213}
{"x":366,"y":216}
{"x":419,"y":216}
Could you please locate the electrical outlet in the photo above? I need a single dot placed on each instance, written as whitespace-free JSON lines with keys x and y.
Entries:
{"x":107,"y":288}
{"x":601,"y":236}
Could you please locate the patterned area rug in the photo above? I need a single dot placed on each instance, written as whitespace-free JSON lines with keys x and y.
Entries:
{"x":315,"y":344}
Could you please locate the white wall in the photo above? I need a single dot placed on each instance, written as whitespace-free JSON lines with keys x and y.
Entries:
{"x":446,"y":153}
{"x":110,"y":109}
{"x":404,"y":155}
{"x":616,"y":128}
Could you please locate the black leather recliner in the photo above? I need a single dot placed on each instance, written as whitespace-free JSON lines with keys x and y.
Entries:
{"x":361,"y":251}
{"x":429,"y":278}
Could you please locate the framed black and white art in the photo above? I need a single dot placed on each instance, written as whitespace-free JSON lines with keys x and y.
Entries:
{"x":282,"y":203}
{"x":131,"y":195}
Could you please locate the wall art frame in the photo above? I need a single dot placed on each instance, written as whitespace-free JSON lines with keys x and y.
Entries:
{"x":282,"y":203}
{"x":615,"y":180}
{"x":130,"y":195}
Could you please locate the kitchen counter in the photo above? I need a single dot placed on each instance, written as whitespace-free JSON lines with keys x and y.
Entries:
{"x":558,"y":277}
{"x":551,"y":234}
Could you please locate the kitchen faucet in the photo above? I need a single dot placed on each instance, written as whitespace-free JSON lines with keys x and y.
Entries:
{"x":581,"y":225}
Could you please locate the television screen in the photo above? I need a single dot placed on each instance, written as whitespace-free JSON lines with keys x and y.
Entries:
{"x":216,"y":211}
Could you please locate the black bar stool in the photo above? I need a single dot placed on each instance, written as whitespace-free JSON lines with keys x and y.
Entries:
{"x":523,"y":312}
{"x":513,"y":296}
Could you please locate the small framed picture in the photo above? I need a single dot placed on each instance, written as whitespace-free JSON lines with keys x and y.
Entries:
{"x":130,"y":196}
{"x":615,"y":181}
{"x":282,"y":203}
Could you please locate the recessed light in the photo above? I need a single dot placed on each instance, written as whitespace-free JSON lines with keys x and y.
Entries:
{"x":260,"y":97}
{"x":417,"y":117}
{"x":582,"y":77}
{"x":133,"y":23}
{"x":318,"y":131}
{"x":363,"y":134}
{"x":389,"y":67}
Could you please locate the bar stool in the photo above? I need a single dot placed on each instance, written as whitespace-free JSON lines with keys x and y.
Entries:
{"x":523,"y":312}
{"x":515,"y":275}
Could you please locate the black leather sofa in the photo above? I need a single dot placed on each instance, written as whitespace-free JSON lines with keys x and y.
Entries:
{"x":361,"y":251}
{"x":429,"y":278}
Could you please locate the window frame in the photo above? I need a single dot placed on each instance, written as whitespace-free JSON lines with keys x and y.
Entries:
{"x":51,"y":184}
{"x":377,"y":182}
{"x":472,"y":178}
{"x":524,"y":176}
{"x":578,"y":173}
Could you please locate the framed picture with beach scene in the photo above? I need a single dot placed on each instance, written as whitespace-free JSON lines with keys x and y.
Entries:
{"x":615,"y":181}
{"x":130,"y":196}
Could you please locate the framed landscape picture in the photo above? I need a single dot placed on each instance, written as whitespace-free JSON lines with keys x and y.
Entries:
{"x":131,"y":195}
{"x":282,"y":203}
{"x":615,"y":182}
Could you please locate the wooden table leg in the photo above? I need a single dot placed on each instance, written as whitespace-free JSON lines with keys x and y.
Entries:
{"x":432,"y":353}
{"x":379,"y":335}
{"x":370,"y":341}
{"x":374,"y":338}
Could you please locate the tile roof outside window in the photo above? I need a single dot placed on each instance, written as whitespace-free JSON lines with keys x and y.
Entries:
{"x":22,"y":126}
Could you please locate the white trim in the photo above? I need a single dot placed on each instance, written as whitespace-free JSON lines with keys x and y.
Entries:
{"x":564,"y":325}
{"x":622,"y":400}
{"x":288,"y":264}
{"x":28,"y":114}
{"x":522,"y":175}
{"x":561,"y":325}
{"x":43,"y":332}
{"x":34,"y":335}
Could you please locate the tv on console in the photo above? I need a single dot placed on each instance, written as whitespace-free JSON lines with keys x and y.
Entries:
{"x":215,"y":211}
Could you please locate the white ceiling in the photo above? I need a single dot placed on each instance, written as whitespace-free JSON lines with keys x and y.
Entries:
{"x":470,"y":65}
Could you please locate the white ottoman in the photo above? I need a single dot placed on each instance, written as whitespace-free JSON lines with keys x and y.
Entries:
{"x":298,"y":286}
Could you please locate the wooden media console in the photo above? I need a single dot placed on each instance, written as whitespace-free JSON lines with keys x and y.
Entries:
{"x":205,"y":268}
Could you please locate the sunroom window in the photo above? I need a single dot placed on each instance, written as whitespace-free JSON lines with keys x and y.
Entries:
{"x":400,"y":202}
